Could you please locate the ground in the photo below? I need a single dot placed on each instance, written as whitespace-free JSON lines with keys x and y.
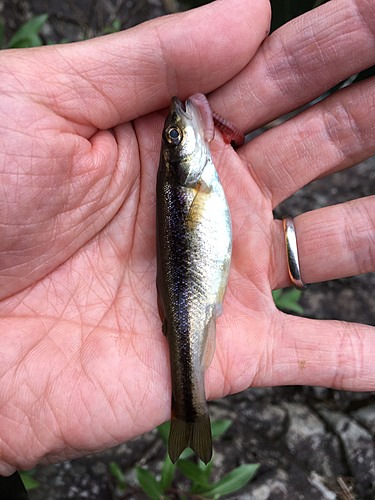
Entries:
{"x":312,"y":443}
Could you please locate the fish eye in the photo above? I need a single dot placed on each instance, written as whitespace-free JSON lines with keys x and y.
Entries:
{"x":173,"y":135}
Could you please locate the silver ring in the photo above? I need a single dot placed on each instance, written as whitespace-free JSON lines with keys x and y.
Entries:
{"x":292,"y":253}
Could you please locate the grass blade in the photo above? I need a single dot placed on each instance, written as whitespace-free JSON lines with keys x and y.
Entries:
{"x":27,"y":35}
{"x":116,"y":471}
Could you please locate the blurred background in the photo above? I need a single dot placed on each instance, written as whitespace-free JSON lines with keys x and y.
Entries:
{"x":311,"y":443}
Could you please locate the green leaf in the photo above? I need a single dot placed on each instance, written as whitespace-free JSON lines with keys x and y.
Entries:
{"x":27,"y":35}
{"x":116,"y":471}
{"x":167,"y":473}
{"x":192,"y":471}
{"x":149,"y":483}
{"x":187,"y":453}
{"x":288,"y":300}
{"x":1,"y":34}
{"x":206,"y":469}
{"x":233,"y":481}
{"x":218,"y":427}
{"x":163,"y":431}
{"x":29,"y":482}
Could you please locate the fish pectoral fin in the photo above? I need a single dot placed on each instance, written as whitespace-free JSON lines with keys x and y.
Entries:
{"x":196,"y":435}
{"x":197,"y":205}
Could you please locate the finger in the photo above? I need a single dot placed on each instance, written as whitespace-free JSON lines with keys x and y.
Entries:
{"x":291,"y":350}
{"x":332,"y":135}
{"x":331,"y":354}
{"x":116,"y":78}
{"x":300,"y":61}
{"x":333,"y":242}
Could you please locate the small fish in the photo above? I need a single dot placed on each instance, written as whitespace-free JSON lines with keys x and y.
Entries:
{"x":194,"y":246}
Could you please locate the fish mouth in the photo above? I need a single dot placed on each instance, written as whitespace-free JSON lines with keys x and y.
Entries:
{"x":177,"y":106}
{"x":187,"y":116}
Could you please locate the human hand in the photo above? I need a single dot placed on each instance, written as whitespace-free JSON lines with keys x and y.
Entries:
{"x":84,"y":362}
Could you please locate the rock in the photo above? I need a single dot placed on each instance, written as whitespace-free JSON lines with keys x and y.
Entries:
{"x":366,"y":416}
{"x":359,"y":449}
{"x":281,"y":485}
{"x":320,"y":392}
{"x":309,"y":442}
{"x":267,"y":419}
{"x":318,"y":482}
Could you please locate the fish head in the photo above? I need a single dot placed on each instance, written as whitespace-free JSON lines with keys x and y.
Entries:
{"x":184,"y":149}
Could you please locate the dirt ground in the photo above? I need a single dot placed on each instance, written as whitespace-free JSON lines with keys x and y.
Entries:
{"x":312,"y":443}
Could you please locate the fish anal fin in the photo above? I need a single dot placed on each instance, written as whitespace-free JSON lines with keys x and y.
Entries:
{"x":210,"y":336}
{"x":162,"y":315}
{"x":209,"y":348}
{"x":196,"y":435}
{"x":160,"y":308}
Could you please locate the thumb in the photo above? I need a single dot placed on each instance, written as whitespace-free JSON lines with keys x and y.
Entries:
{"x":116,"y":78}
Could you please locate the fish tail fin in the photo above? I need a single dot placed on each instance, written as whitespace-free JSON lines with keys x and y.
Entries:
{"x":196,"y":435}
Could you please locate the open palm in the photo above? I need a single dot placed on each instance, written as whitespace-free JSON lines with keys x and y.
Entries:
{"x":84,"y":364}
